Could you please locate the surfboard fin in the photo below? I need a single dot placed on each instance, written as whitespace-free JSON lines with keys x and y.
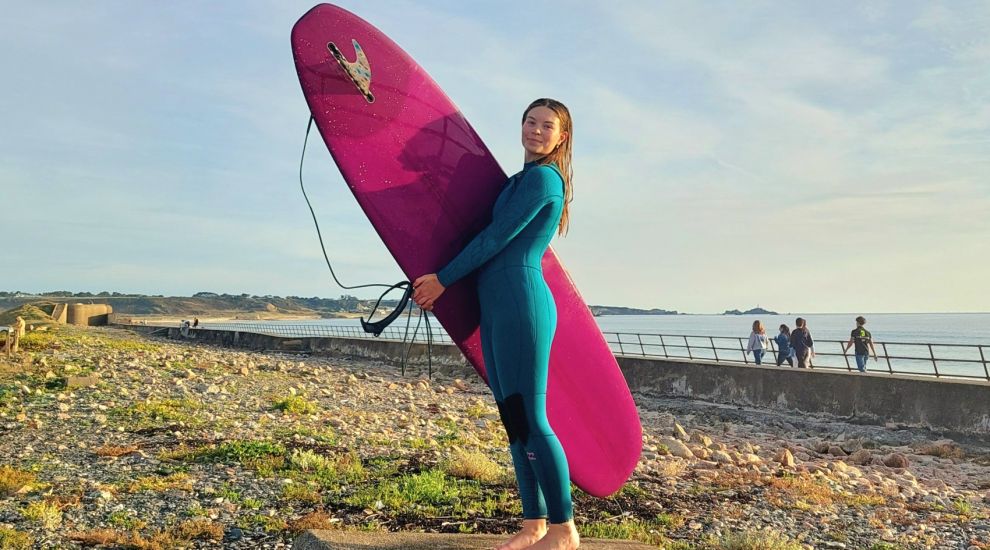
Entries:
{"x":359,"y":71}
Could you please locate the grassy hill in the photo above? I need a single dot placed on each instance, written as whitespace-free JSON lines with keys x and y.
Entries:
{"x":204,"y":304}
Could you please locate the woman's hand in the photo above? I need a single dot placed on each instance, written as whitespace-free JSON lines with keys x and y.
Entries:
{"x":428,"y":289}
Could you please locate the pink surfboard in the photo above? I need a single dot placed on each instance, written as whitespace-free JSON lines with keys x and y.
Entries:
{"x":427,"y":183}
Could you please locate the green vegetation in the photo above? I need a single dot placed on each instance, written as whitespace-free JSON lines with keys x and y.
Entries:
{"x":754,"y":540}
{"x":46,"y":514}
{"x":295,"y":404}
{"x":124,"y":520}
{"x":430,"y":493}
{"x":302,"y":493}
{"x":31,"y":313}
{"x":158,"y":413}
{"x":270,"y":524}
{"x":325,"y":435}
{"x":179,"y":481}
{"x":12,"y":539}
{"x":649,"y":532}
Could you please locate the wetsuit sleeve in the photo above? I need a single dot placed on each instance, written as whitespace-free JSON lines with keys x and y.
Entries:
{"x":539,"y":187}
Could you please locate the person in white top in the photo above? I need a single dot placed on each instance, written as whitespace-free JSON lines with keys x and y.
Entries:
{"x":758,"y":342}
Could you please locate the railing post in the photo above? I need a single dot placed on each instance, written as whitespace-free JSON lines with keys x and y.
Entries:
{"x":984,"y":360}
{"x":846,"y":357}
{"x":618,"y":338}
{"x":715,"y":351}
{"x":934,"y":363}
{"x":664,"y":346}
{"x":743,"y":350}
{"x":642,"y":350}
{"x":886,"y":357}
{"x":688,"y":346}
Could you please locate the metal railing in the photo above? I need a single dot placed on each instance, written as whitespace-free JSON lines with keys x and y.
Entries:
{"x":970,"y":361}
{"x":394,"y":332}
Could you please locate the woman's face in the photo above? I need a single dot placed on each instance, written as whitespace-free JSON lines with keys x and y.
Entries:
{"x":541,"y":132}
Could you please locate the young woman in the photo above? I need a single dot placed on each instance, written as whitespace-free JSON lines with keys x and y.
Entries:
{"x":518,"y":319}
{"x":784,"y":351}
{"x":758,"y":342}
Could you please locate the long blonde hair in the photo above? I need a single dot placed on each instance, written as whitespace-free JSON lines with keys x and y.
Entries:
{"x":561,"y":155}
{"x":758,"y":327}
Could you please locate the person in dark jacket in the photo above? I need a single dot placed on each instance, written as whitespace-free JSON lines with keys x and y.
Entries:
{"x":804,"y":346}
{"x":784,"y":350}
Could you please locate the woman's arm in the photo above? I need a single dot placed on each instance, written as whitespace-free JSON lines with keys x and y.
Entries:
{"x":538,"y":188}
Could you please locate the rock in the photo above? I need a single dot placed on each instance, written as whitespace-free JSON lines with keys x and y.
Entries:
{"x":785,"y":458}
{"x":233,"y":534}
{"x":701,"y":438}
{"x":862,"y":457}
{"x":722,"y":457}
{"x":895,"y":460}
{"x":750,"y":458}
{"x":677,"y":447}
{"x":81,"y":381}
{"x":835,"y":450}
{"x":679,"y":432}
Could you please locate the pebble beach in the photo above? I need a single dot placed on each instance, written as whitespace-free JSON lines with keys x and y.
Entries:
{"x":112,"y":439}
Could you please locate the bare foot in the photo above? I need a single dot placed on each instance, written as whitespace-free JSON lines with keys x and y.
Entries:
{"x":532,"y":531}
{"x":560,"y":536}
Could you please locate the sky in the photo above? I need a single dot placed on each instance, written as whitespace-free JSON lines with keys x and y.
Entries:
{"x":799,"y":156}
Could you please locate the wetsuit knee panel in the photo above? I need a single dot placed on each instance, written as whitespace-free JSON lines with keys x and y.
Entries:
{"x":513,"y":412}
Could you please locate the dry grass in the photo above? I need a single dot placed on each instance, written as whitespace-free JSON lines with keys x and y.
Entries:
{"x":115,"y":451}
{"x":801,"y":488}
{"x":315,"y":520}
{"x":474,"y":465}
{"x":12,"y":539}
{"x":302,"y":493}
{"x":175,"y":537}
{"x":943,"y":450}
{"x":199,"y":529}
{"x":13,"y":480}
{"x":180,"y":481}
{"x":95,"y":537}
{"x":671,"y":468}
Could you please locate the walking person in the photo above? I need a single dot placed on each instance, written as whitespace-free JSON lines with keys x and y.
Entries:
{"x":784,"y":350}
{"x":863,"y":340}
{"x":802,"y":343}
{"x":519,"y":317}
{"x":758,"y":342}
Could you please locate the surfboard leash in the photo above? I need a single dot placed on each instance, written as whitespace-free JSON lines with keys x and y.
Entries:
{"x":377,"y":327}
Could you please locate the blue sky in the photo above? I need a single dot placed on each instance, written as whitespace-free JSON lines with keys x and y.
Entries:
{"x":826,"y":157}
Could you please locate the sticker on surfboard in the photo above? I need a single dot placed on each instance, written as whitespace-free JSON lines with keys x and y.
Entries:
{"x":359,"y":71}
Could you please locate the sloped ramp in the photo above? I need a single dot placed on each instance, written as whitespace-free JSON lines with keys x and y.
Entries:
{"x":359,"y":540}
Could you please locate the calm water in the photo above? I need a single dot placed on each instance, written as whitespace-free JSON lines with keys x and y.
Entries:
{"x":897,"y":330}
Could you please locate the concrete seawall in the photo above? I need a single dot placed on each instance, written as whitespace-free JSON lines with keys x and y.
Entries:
{"x":942,"y":405}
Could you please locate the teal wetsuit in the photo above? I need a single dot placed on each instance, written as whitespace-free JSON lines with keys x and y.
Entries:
{"x":518,"y":319}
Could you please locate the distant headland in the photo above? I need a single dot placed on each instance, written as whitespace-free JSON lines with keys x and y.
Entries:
{"x":598,"y":311}
{"x":754,"y":311}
